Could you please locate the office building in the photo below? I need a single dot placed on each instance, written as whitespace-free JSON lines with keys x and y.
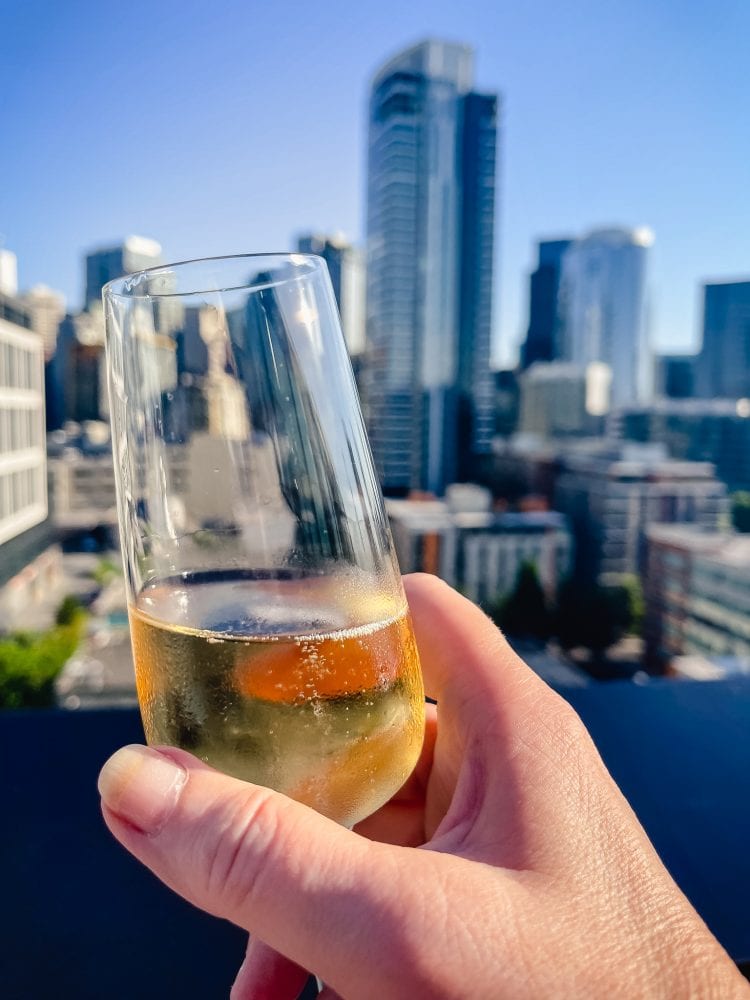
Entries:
{"x":430,"y":241}
{"x":347,"y":270}
{"x":695,"y":430}
{"x":134,"y":254}
{"x":507,"y":401}
{"x":675,"y":376}
{"x":24,"y":532}
{"x":697,"y":595}
{"x":723,"y":365}
{"x":479,"y":552}
{"x":560,"y":399}
{"x":76,"y":374}
{"x":601,"y":309}
{"x":541,"y":342}
{"x":611,"y":496}
{"x":47,"y":310}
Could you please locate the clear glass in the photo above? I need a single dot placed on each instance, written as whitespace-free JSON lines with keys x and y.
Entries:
{"x":270,"y":631}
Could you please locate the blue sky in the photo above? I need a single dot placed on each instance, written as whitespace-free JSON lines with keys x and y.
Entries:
{"x":229,"y":126}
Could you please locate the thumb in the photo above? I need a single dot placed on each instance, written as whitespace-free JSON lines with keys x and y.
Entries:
{"x":312,"y":890}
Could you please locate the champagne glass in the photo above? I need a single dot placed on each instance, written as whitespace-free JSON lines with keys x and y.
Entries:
{"x":270,"y":631}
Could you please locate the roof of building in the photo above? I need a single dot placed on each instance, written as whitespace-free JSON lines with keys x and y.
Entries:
{"x":689,"y":537}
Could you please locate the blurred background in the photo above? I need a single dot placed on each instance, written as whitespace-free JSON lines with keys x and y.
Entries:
{"x":536,"y":223}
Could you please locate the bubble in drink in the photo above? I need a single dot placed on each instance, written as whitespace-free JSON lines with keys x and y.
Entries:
{"x":272,"y":682}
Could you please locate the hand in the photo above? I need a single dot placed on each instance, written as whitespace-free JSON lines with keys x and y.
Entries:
{"x":508,"y":866}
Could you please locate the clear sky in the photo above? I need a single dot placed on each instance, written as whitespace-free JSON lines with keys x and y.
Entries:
{"x":229,"y":126}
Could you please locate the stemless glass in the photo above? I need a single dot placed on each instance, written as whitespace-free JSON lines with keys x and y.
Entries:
{"x":270,"y":631}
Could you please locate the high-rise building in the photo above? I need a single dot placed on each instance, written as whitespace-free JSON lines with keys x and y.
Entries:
{"x":347,"y":271}
{"x":134,"y":254}
{"x":507,"y":401}
{"x":723,"y":365}
{"x":601,"y":308}
{"x":544,"y":285}
{"x":430,"y":243}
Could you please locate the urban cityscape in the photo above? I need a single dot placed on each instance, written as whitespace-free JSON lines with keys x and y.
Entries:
{"x":592,"y":499}
{"x":591,"y":493}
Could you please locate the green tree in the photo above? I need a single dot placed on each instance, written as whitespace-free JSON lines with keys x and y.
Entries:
{"x":29,"y":664}
{"x":106,"y":571}
{"x":741,"y":511}
{"x":634,"y":603}
{"x":524,"y":612}
{"x":68,"y":611}
{"x":592,"y":616}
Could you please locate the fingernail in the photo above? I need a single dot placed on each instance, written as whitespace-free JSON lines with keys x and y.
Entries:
{"x":142,"y":786}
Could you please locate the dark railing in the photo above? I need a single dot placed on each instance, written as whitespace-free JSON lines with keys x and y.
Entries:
{"x":80,"y":919}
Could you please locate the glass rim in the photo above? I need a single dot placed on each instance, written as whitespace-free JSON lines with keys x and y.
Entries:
{"x":127,"y":285}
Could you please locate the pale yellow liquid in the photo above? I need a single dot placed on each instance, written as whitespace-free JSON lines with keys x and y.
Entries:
{"x":332,"y":716}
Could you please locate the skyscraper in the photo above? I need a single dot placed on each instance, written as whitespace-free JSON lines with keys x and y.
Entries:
{"x":430,"y":229}
{"x":675,"y":375}
{"x":544,"y":285}
{"x":346,"y":267}
{"x":601,"y":308}
{"x":133,"y":254}
{"x":723,"y":365}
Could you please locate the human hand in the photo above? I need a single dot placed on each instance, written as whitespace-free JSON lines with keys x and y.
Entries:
{"x":508,"y":866}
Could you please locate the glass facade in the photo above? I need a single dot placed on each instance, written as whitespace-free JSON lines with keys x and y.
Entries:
{"x":602,"y":309}
{"x":544,"y":284}
{"x":723,"y":365}
{"x":430,"y":224}
{"x":135,"y":254}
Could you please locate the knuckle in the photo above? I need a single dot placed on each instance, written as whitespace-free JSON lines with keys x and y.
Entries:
{"x":239,"y":855}
{"x":567,"y":732}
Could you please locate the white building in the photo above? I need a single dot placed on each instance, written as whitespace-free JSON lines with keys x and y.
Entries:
{"x":560,"y":398}
{"x":47,"y":309}
{"x":23,"y":487}
{"x":480,"y":552}
{"x":29,"y":567}
{"x":8,"y":273}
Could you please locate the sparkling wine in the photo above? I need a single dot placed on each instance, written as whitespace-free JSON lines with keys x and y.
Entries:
{"x":306,"y":686}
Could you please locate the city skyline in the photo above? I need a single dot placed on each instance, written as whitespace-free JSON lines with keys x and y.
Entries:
{"x":642,"y":131}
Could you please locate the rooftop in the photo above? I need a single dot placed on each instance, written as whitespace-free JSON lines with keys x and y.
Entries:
{"x":717,"y":547}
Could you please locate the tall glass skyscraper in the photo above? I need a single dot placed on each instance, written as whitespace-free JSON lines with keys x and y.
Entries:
{"x":430,"y":244}
{"x":544,"y":285}
{"x":134,"y":254}
{"x":723,"y":365}
{"x":602,"y":313}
